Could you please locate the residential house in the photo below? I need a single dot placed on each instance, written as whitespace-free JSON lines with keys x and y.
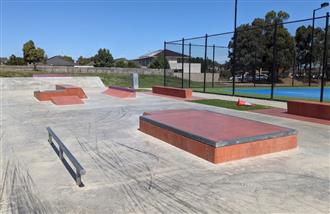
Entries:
{"x":59,"y":61}
{"x":174,"y":59}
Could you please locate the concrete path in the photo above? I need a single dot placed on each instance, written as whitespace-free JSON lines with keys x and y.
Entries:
{"x":131,"y":172}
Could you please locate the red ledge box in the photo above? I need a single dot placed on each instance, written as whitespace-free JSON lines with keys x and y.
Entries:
{"x":61,"y":91}
{"x":171,"y":91}
{"x":121,"y":92}
{"x":309,"y":109}
{"x":217,"y":137}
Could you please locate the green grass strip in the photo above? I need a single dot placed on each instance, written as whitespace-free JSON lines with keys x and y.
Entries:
{"x":229,"y":104}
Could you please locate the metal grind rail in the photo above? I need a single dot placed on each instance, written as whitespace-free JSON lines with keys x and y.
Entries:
{"x":64,"y":150}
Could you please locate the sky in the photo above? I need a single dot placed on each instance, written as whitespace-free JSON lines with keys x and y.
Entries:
{"x":128,"y":28}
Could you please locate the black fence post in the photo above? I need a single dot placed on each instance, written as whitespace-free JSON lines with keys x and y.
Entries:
{"x":164,"y":58}
{"x":325,"y":58}
{"x":311,"y":52}
{"x":205,"y":62}
{"x":213,"y":68}
{"x":189,"y":65}
{"x":294,"y":65}
{"x":255,"y":68}
{"x":274,"y":60}
{"x":182,"y":63}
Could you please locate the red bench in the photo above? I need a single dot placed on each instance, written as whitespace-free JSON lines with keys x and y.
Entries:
{"x":171,"y":91}
{"x":309,"y":109}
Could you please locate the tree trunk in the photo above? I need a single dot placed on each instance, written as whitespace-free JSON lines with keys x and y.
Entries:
{"x":34,"y":66}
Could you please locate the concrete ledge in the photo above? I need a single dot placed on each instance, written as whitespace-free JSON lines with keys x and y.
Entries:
{"x":309,"y":109}
{"x":171,"y":91}
{"x":217,"y":146}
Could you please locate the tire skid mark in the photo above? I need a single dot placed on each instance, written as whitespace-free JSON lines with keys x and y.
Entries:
{"x":109,"y":162}
{"x":121,"y":166}
{"x":20,"y":192}
{"x":4,"y":181}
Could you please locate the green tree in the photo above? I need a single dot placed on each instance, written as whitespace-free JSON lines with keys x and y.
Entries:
{"x":284,"y":41}
{"x":132,"y":64}
{"x":32,"y":54}
{"x":14,"y":60}
{"x":159,"y":62}
{"x":85,"y":61}
{"x":68,"y":58}
{"x":120,"y":64}
{"x":103,"y":58}
{"x":254,"y":44}
{"x":303,"y":39}
{"x":249,"y":45}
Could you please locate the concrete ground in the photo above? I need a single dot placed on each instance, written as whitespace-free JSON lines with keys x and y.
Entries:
{"x":131,"y":172}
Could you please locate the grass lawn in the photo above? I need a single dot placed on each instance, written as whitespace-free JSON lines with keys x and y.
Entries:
{"x":229,"y":104}
{"x":20,"y":73}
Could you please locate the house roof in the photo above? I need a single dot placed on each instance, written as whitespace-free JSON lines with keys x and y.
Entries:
{"x":156,"y":53}
{"x":3,"y":59}
{"x":59,"y":61}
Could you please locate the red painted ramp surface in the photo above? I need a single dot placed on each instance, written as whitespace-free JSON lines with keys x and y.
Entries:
{"x":217,"y":137}
{"x":63,"y":95}
{"x":66,"y":100}
{"x":71,"y":90}
{"x":120,"y":93}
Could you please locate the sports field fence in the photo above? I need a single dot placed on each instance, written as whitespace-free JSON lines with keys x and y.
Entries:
{"x":277,"y":61}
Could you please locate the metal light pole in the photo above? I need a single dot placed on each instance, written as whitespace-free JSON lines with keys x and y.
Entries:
{"x":182,"y":63}
{"x":213,"y":68}
{"x":189,"y":65}
{"x":205,"y":62}
{"x":164,"y":58}
{"x":274,"y":59}
{"x":234,"y":51}
{"x":323,"y":5}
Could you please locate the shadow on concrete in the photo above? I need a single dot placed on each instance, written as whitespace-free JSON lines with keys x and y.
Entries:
{"x":66,"y":164}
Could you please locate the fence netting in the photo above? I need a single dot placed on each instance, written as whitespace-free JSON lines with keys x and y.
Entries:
{"x":275,"y":60}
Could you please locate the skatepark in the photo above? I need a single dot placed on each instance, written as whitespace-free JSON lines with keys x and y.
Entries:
{"x":130,"y":171}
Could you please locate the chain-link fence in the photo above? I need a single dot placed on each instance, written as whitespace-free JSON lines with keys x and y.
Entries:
{"x":276,"y":60}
